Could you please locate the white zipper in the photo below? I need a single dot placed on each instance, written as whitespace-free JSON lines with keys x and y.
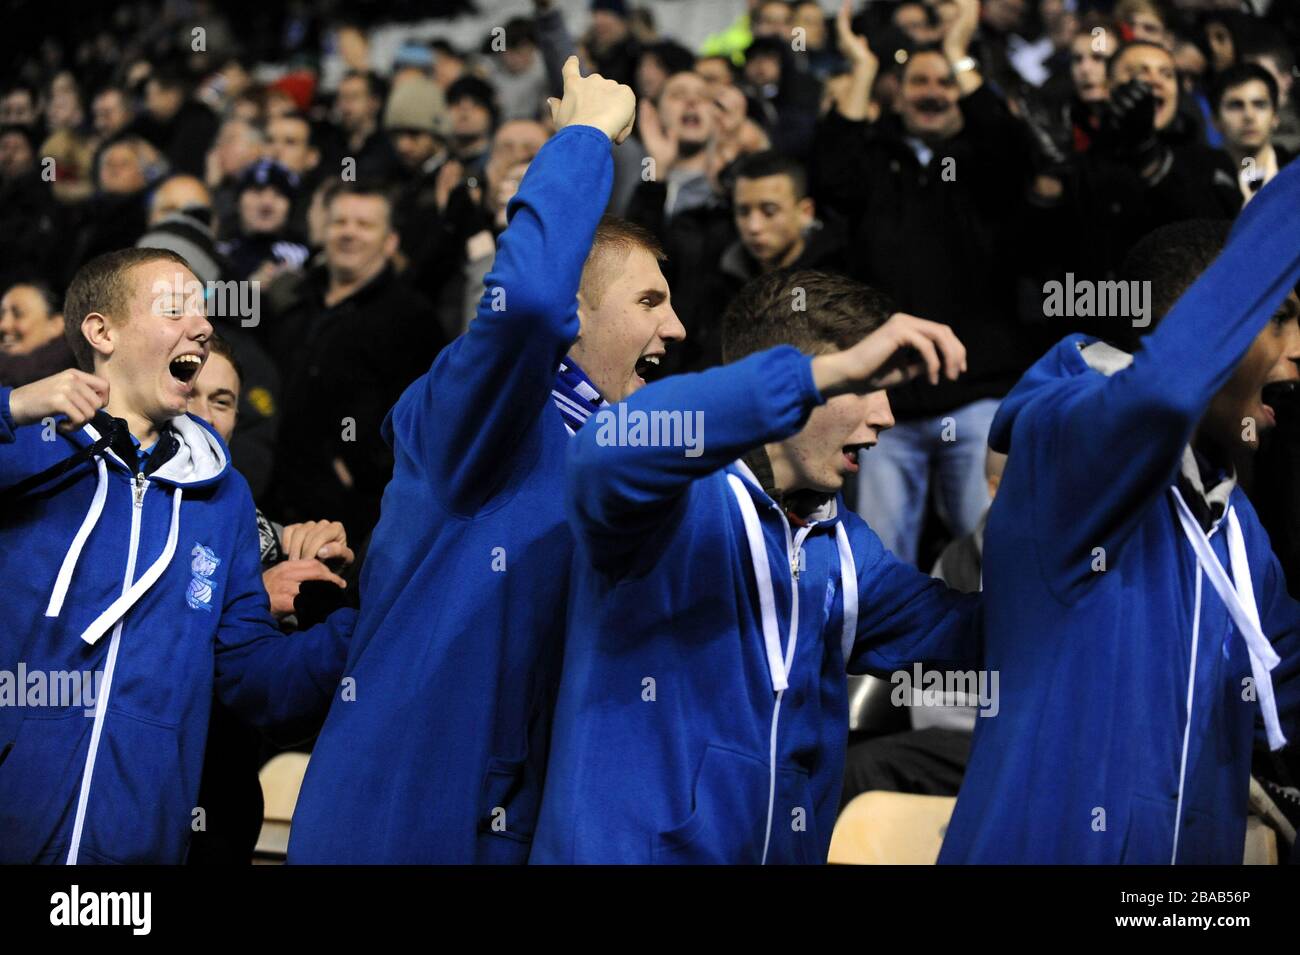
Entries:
{"x":101,"y":703}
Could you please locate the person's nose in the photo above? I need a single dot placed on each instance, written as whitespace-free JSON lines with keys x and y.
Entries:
{"x":880,"y":415}
{"x":672,"y":329}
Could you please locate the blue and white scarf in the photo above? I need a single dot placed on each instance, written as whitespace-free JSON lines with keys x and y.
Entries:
{"x":575,"y":395}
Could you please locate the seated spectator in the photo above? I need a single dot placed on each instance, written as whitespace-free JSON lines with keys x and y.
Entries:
{"x":29,"y":224}
{"x":349,"y":336}
{"x":265,"y":244}
{"x":32,"y":346}
{"x":1245,"y":104}
{"x":117,"y":214}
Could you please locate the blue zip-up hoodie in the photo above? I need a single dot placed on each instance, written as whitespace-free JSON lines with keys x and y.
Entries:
{"x":1128,"y":696}
{"x":147,"y":592}
{"x":702,"y":714}
{"x":435,"y":747}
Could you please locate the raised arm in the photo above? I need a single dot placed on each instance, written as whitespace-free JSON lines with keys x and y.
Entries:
{"x":487,"y":389}
{"x":1102,"y":448}
{"x":620,"y":488}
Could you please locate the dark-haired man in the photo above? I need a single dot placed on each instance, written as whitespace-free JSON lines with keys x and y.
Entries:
{"x":1245,"y":108}
{"x":702,"y":715}
{"x":1134,"y":610}
{"x":129,"y":551}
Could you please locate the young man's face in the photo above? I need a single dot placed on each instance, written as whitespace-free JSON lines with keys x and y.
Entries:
{"x":824,"y":454}
{"x":1238,"y":413}
{"x":1246,"y":116}
{"x":358,"y":236}
{"x":772,"y":18}
{"x":216,"y":396}
{"x":109,"y":113}
{"x":356,"y":108}
{"x":263,"y":211}
{"x":770,"y":219}
{"x":928,"y":98}
{"x":1088,"y":66}
{"x":289,"y":144}
{"x":627,"y":333}
{"x":684,"y":108}
{"x":1156,"y":69}
{"x":470,"y":119}
{"x":149,"y":356}
{"x":25,"y":321}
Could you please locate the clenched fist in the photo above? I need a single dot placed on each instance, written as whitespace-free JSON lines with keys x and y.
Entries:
{"x":76,"y":395}
{"x":594,"y":101}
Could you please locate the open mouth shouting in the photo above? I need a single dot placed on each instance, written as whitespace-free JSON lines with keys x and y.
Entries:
{"x":647,"y":366}
{"x":851,"y":455}
{"x":184,"y":368}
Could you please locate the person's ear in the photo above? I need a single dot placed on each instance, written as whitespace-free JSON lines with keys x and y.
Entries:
{"x":583,"y":311}
{"x":807,"y":211}
{"x":390,"y":244}
{"x":99,"y":332}
{"x":57,"y":320}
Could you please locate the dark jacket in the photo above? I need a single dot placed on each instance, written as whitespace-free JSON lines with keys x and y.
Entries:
{"x":942,"y":246}
{"x":343,"y":367}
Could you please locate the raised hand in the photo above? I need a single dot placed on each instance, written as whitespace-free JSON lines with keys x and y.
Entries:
{"x":854,"y":47}
{"x":594,"y":101}
{"x":896,"y":352}
{"x":76,"y":395}
{"x":658,"y":142}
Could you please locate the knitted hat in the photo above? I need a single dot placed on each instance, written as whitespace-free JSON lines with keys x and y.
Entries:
{"x":417,"y":104}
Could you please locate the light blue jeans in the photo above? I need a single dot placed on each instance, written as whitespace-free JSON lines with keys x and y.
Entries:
{"x":895,"y":476}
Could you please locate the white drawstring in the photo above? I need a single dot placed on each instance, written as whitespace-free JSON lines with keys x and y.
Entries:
{"x":118,"y":608}
{"x":779,"y":667}
{"x":64,"y":580}
{"x":1240,"y":601}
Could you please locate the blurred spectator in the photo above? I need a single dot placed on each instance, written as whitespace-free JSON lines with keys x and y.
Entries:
{"x":935,"y":192}
{"x":1141,"y":20}
{"x":1274,"y":55}
{"x":473,"y":112}
{"x":360,"y":99}
{"x":611,"y":49}
{"x":657,"y":63}
{"x":772,"y":18}
{"x":291,"y":141}
{"x":20,"y":106}
{"x":32,"y":345}
{"x":787,"y":100}
{"x":414,"y":61}
{"x":29,"y":224}
{"x":64,"y":111}
{"x":349,"y":336}
{"x":239,"y":144}
{"x":1245,"y":101}
{"x":181,"y":193}
{"x":517,"y":70}
{"x":919,"y":22}
{"x":179,"y":127}
{"x":265,"y":244}
{"x":110,"y":113}
{"x":74,"y":165}
{"x":448,"y":64}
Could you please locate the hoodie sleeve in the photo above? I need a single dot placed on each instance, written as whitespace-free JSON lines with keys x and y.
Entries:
{"x":906,"y":617}
{"x":1101,"y":450}
{"x":1279,"y":618}
{"x":23,"y":452}
{"x":269,"y":677}
{"x":620,"y":486}
{"x":486,"y":390}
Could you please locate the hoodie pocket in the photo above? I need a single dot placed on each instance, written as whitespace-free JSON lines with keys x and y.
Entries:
{"x":141,"y":804}
{"x":1149,"y":836}
{"x":39,"y":782}
{"x":510,"y":802}
{"x":728,"y":818}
